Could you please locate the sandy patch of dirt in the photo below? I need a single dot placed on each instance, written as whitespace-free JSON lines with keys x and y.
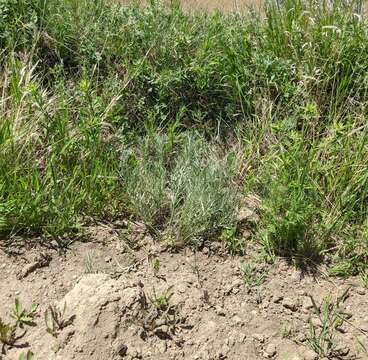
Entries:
{"x":149,"y":303}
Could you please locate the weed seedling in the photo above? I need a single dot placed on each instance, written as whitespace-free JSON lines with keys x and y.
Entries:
{"x":287,"y":331}
{"x":7,"y":334}
{"x":161,"y":301}
{"x":26,"y":356}
{"x":90,"y":263}
{"x":252,"y":275}
{"x":23,"y":316}
{"x":321,"y":339}
{"x":55,"y":321}
{"x":233,"y":244}
{"x":156,"y":265}
{"x":158,"y":312}
{"x":364,"y":279}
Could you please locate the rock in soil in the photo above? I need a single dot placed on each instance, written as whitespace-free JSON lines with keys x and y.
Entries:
{"x":270,"y":350}
{"x":290,"y":304}
{"x":361,"y":290}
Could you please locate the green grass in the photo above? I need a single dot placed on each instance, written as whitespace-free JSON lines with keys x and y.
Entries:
{"x":111,"y":111}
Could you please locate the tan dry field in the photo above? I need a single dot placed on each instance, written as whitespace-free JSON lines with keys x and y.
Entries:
{"x":221,"y":5}
{"x":209,"y":6}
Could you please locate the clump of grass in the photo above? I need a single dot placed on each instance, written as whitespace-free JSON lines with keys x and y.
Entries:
{"x":161,"y":301}
{"x":233,"y":243}
{"x":312,"y":197}
{"x":290,"y":210}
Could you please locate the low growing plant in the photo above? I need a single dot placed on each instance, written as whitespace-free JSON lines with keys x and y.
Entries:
{"x":26,"y":355}
{"x":55,"y":319}
{"x":7,"y":334}
{"x":23,"y":316}
{"x":253,"y":273}
{"x":323,"y":339}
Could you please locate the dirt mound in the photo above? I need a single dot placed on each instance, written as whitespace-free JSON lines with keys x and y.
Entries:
{"x":96,"y":306}
{"x":115,"y":319}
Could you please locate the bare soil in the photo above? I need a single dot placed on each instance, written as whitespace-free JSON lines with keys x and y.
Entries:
{"x":151,"y":303}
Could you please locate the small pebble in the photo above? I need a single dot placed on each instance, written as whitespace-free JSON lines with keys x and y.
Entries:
{"x":316,"y":322}
{"x":364,"y":327}
{"x":237,"y":320}
{"x":219,"y":311}
{"x":270,"y":350}
{"x":277,"y":298}
{"x":162,"y":347}
{"x":290,"y":304}
{"x":181,"y":288}
{"x":342,"y":329}
{"x":361,"y":290}
{"x":237,"y":283}
{"x":259,"y":337}
{"x":235,"y":291}
{"x":307,"y":303}
{"x":301,"y":337}
{"x":222,"y":353}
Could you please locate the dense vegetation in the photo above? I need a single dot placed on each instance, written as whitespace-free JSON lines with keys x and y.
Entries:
{"x":111,"y":111}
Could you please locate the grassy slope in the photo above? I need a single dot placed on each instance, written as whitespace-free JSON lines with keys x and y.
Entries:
{"x":171,"y":119}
